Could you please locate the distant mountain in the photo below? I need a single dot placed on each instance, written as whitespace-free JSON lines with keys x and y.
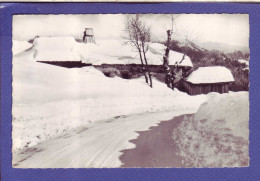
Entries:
{"x":222,"y":47}
{"x":192,"y":45}
{"x":177,"y":45}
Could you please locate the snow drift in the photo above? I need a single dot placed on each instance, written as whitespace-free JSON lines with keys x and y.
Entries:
{"x":104,"y":52}
{"x":218,"y":134}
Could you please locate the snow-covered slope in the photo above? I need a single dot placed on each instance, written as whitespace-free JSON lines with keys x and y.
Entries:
{"x":218,"y":134}
{"x":48,"y":99}
{"x":214,"y":74}
{"x":105,"y":51}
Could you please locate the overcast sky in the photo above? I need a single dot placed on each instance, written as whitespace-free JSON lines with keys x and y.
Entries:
{"x":230,"y":29}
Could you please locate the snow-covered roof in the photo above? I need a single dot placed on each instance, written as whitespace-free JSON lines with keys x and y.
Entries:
{"x":174,"y":57}
{"x":243,"y":61}
{"x":104,"y":52}
{"x":216,"y":74}
{"x":20,"y":46}
{"x":55,"y":49}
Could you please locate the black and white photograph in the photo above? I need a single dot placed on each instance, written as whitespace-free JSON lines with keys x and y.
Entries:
{"x":130,"y":90}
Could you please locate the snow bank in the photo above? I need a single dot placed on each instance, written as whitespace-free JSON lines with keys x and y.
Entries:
{"x":104,"y":52}
{"x":20,"y":46}
{"x":48,"y":99}
{"x":218,"y":134}
{"x":210,"y":75}
{"x":243,"y":61}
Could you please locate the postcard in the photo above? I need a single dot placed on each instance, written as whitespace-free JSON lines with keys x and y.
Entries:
{"x":130,"y":90}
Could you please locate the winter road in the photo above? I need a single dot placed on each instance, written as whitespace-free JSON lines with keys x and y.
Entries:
{"x":98,"y":146}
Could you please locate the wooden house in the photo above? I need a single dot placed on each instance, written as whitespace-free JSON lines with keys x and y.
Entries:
{"x":208,"y":79}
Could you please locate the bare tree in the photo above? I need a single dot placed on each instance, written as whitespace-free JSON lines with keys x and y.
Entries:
{"x":145,"y":37}
{"x":139,"y":35}
{"x":132,"y":37}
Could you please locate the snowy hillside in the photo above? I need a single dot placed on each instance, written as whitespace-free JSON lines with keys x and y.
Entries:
{"x":52,"y":99}
{"x":104,"y":52}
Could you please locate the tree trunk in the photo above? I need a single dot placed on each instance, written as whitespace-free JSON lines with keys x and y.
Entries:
{"x":145,"y":75}
{"x":148,"y":70}
{"x":150,"y":77}
{"x":143,"y":68}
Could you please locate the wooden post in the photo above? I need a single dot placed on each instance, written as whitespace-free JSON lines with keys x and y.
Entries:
{"x":168,"y":76}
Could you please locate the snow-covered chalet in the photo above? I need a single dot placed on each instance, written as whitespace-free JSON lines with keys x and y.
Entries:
{"x":208,"y":79}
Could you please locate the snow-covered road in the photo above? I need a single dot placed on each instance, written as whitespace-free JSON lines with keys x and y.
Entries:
{"x":97,"y":146}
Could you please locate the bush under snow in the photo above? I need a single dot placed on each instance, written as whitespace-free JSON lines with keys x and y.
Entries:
{"x":218,"y":134}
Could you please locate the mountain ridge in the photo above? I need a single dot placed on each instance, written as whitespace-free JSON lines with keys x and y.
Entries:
{"x":209,"y":45}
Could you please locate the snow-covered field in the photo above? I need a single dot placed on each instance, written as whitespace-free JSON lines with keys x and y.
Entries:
{"x":48,"y":100}
{"x":217,"y":136}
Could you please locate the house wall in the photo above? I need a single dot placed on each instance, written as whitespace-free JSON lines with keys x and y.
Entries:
{"x":89,"y":39}
{"x":195,"y":89}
